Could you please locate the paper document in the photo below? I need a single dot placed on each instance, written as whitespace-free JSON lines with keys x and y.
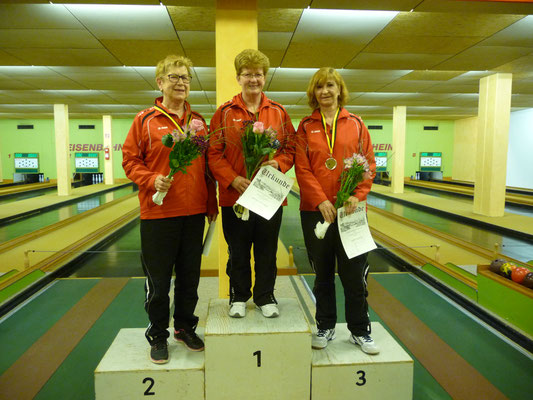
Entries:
{"x":354,"y":232}
{"x":266,"y":192}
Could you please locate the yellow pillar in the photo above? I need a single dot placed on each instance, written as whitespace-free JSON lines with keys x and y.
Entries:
{"x":492,"y":141}
{"x":62,"y":149}
{"x":235,"y":30}
{"x":398,"y":148}
{"x":108,"y":144}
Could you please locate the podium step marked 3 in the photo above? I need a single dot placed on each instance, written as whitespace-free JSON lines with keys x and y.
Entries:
{"x":342,"y":371}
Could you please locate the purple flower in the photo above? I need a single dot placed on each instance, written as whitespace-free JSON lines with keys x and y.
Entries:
{"x":201,"y":142}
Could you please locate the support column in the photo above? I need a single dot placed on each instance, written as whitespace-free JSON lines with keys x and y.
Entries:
{"x":109,"y":178}
{"x":398,"y":148}
{"x":494,"y":114}
{"x":235,"y":30}
{"x":64,"y":187}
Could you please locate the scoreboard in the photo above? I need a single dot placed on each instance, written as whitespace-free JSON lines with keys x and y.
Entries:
{"x":26,"y":162}
{"x":86,"y":162}
{"x":430,"y":161}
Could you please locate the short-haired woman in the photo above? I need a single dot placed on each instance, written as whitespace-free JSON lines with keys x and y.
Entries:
{"x":226,"y":162}
{"x":325,"y":138}
{"x":172,"y":233}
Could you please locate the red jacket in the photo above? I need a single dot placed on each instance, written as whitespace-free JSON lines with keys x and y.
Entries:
{"x":225,"y":156}
{"x":145,"y":157}
{"x":318,"y":183}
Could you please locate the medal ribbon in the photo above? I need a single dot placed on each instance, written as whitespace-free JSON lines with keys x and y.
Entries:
{"x":180,"y":129}
{"x":331,"y":142}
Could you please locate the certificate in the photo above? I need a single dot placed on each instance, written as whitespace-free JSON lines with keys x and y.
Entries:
{"x":266,"y":192}
{"x":354,"y":232}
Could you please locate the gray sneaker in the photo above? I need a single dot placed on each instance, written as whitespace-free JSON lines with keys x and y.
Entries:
{"x":322,"y":337}
{"x":366,"y":342}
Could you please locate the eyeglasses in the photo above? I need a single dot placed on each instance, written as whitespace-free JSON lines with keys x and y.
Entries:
{"x":176,"y":78}
{"x":250,"y":76}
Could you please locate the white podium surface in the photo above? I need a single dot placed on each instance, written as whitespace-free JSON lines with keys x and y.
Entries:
{"x":126,"y":372}
{"x":343,"y":371}
{"x":256,"y":357}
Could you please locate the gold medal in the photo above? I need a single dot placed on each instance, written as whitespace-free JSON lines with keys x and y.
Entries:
{"x":331,"y":163}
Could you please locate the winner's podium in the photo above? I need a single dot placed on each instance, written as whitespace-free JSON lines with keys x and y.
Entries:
{"x":257,"y":357}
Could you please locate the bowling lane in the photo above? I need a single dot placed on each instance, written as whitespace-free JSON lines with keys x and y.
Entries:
{"x":32,"y":223}
{"x":516,"y":248}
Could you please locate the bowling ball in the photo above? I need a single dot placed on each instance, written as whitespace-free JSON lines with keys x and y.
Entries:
{"x":506,"y":269}
{"x":528,"y":280}
{"x":519,"y":274}
{"x":495,"y":265}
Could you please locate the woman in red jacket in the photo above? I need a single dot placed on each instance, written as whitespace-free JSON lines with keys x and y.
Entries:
{"x":171,"y":233}
{"x":226,"y":161}
{"x":326,"y":137}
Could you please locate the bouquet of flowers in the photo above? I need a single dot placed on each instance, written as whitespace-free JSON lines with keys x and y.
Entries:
{"x":257,"y":143}
{"x":186,"y":147}
{"x":356,"y":170}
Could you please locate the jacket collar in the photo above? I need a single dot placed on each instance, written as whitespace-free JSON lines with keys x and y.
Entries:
{"x":316,"y":114}
{"x":159,"y":103}
{"x":239,"y":101}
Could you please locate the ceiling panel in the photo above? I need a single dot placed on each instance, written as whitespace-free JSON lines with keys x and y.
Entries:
{"x":493,"y":7}
{"x":48,"y":38}
{"x":142,"y":52}
{"x":398,"y":44}
{"x":278,"y":19}
{"x":396,"y":61}
{"x":122,"y":22}
{"x":483,"y":57}
{"x":37,"y":16}
{"x":519,"y":34}
{"x":193,"y":18}
{"x":64,"y":56}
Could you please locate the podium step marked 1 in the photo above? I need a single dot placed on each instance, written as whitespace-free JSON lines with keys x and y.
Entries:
{"x":257,"y":357}
{"x":343,"y":371}
{"x":126,"y":372}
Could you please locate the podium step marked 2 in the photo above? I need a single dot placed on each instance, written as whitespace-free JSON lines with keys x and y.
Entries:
{"x":343,"y":371}
{"x":126,"y":372}
{"x":257,"y":357}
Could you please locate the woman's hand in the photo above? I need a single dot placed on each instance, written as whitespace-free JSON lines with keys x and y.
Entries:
{"x":211,"y":218}
{"x":350,"y":205}
{"x":162,"y":183}
{"x":273,"y":163}
{"x":328,"y":211}
{"x":240,"y":184}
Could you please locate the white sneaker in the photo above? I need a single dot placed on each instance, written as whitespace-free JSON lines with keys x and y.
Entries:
{"x":237,"y":309}
{"x":366,"y":342}
{"x":270,"y":310}
{"x":322,"y":337}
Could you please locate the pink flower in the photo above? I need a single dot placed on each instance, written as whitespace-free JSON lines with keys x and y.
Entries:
{"x":196,"y":125}
{"x":258,"y":127}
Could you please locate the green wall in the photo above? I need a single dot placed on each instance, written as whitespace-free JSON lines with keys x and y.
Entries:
{"x":417,"y":140}
{"x":41,"y":140}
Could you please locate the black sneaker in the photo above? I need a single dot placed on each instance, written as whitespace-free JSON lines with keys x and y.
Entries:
{"x":159,"y":352}
{"x":189,"y":339}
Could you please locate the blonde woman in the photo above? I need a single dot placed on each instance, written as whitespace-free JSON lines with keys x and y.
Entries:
{"x":171,"y":233}
{"x":326,"y":137}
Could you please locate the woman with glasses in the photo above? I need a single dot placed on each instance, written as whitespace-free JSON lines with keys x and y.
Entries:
{"x":171,"y":233}
{"x":226,"y":161}
{"x":326,"y":137}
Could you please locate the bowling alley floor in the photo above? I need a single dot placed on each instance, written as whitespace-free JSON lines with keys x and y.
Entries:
{"x":52,"y":343}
